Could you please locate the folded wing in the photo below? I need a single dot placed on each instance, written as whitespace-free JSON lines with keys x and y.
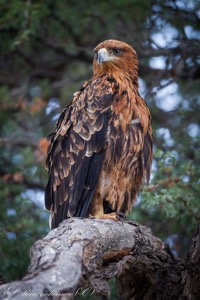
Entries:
{"x":76,"y":153}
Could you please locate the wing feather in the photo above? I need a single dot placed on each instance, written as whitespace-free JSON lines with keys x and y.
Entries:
{"x":147,"y":153}
{"x":76,"y":153}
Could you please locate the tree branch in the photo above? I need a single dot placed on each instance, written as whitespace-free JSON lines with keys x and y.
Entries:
{"x":84,"y":253}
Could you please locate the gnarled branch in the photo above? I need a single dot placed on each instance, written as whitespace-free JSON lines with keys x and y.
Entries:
{"x":84,"y":253}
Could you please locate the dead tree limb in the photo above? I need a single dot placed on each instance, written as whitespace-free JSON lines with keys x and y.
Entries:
{"x":85,"y":253}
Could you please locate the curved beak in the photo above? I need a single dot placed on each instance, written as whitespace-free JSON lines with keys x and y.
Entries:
{"x":103,"y":56}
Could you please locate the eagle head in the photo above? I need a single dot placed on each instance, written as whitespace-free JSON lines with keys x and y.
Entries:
{"x":113,"y":57}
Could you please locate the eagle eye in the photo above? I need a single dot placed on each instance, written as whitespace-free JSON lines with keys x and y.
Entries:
{"x":117,"y":51}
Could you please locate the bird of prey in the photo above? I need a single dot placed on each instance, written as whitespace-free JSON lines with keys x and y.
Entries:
{"x":101,"y":150}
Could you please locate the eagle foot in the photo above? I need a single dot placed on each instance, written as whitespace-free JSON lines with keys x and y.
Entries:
{"x":120,"y":217}
{"x":116,"y":216}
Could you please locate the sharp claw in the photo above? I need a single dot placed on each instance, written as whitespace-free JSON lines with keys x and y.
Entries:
{"x":121,"y":217}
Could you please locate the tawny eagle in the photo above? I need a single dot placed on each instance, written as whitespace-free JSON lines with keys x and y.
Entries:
{"x":101,"y":150}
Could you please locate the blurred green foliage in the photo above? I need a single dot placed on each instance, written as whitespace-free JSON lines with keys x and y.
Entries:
{"x":45,"y":56}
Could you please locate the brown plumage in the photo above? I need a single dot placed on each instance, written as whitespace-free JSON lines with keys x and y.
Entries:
{"x":101,"y":150}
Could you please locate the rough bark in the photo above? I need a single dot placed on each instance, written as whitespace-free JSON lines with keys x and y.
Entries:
{"x":86,"y":253}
